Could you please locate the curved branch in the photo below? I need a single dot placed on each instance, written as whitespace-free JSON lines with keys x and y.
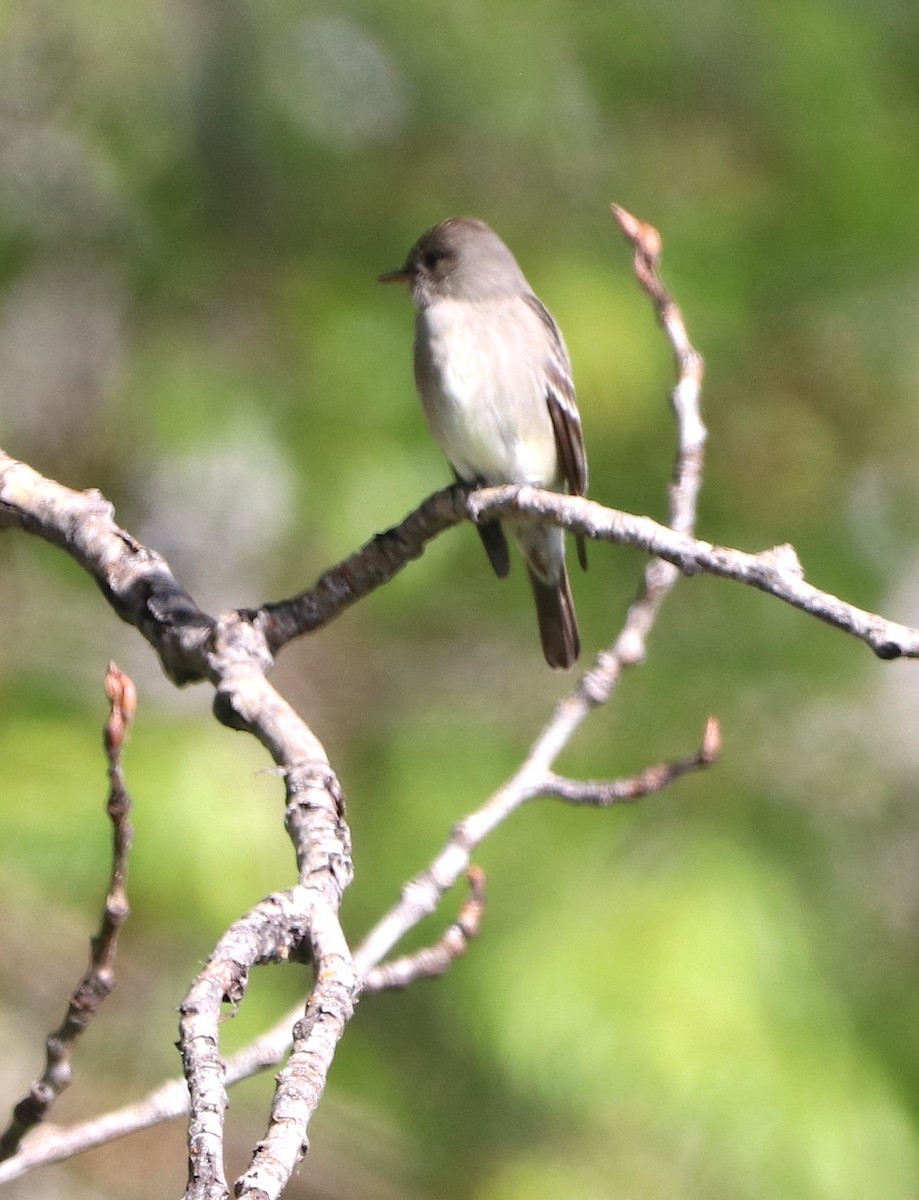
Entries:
{"x":136,"y":581}
{"x":234,"y":653}
{"x":433,"y":961}
{"x":603,"y":793}
{"x":776,"y":571}
{"x":99,"y":980}
{"x":231,"y":653}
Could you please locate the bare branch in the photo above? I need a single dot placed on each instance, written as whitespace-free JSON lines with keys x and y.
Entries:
{"x":234,"y":653}
{"x":776,"y":571}
{"x":50,"y":1144}
{"x":433,"y":961}
{"x":99,"y":979}
{"x":603,"y":793}
{"x":646,"y":242}
{"x":284,"y":926}
{"x":535,"y":776}
{"x":234,"y":656}
{"x":166,"y":1102}
{"x":135,"y":580}
{"x":315,"y":1038}
{"x":383,"y":557}
{"x":315,"y":821}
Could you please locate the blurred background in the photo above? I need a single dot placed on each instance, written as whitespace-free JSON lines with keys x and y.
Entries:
{"x":710,"y":995}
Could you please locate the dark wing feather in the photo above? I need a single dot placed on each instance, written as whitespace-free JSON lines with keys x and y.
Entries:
{"x":563,"y":409}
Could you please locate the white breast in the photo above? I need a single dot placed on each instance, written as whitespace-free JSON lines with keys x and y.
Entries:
{"x":479,"y":371}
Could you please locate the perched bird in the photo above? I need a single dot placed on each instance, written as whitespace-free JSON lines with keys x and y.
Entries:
{"x":494,"y":378}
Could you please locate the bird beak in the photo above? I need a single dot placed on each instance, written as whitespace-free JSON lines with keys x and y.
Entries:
{"x":400,"y":276}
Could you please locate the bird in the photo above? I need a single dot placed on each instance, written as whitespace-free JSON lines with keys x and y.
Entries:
{"x":494,"y":377}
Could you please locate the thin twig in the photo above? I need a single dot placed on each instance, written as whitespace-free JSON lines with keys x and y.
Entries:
{"x":99,"y":979}
{"x":433,"y":961}
{"x":603,"y":793}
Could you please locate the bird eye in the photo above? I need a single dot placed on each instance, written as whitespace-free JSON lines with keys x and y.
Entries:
{"x":431,"y":259}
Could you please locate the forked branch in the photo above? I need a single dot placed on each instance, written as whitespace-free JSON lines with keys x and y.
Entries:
{"x":234,"y":653}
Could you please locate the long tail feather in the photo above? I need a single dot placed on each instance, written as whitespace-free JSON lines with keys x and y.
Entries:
{"x":558,"y":624}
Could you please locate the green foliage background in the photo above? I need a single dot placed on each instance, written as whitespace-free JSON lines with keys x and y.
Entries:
{"x":711,"y":995}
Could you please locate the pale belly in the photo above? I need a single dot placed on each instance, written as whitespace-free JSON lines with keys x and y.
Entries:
{"x":484,"y":394}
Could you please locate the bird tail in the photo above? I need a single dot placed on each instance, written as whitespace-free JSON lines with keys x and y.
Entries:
{"x":558,"y":624}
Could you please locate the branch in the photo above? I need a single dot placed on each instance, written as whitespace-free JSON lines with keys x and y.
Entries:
{"x":233,"y":655}
{"x":49,"y":1144}
{"x":433,"y":961}
{"x":226,"y":983}
{"x":536,"y":775}
{"x":603,"y":793}
{"x":166,"y":1102}
{"x":135,"y":580}
{"x":375,"y":564}
{"x":776,"y":571}
{"x":99,"y":979}
{"x":315,"y":821}
{"x":356,"y":576}
{"x":284,"y":926}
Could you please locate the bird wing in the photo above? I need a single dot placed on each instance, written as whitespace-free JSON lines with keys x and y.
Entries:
{"x":563,"y":409}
